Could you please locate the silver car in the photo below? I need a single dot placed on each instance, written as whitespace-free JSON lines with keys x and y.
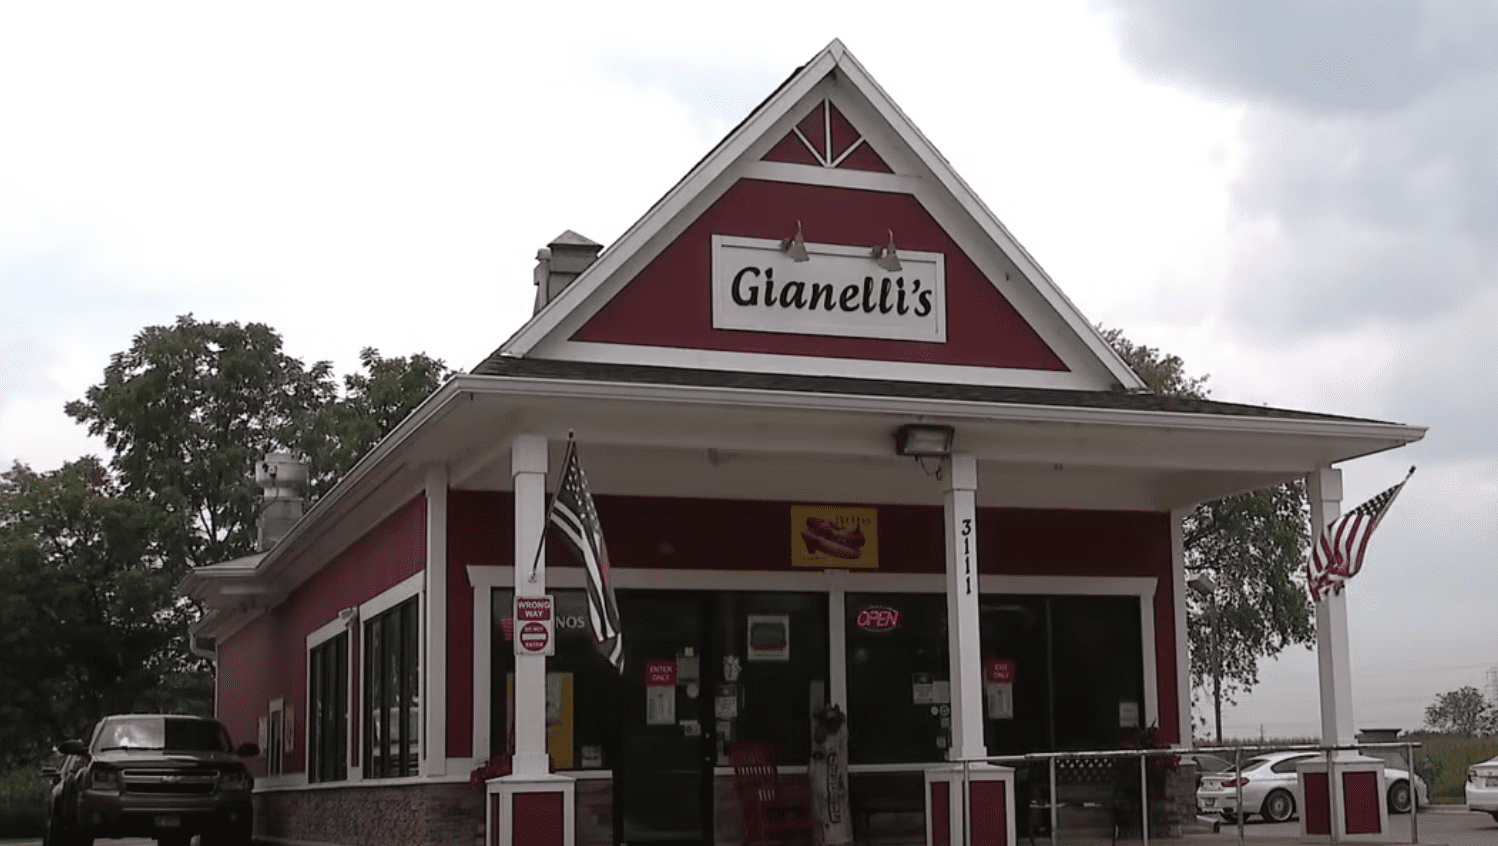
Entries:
{"x":1268,"y":788}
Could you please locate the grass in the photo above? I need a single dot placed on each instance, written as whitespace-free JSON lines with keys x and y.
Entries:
{"x":23,"y":800}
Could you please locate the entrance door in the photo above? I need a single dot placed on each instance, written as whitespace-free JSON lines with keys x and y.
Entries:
{"x":663,"y":776}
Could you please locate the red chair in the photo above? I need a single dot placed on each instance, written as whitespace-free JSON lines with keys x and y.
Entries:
{"x":775,"y":810}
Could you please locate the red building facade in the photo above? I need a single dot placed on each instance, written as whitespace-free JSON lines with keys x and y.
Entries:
{"x":739,"y":371}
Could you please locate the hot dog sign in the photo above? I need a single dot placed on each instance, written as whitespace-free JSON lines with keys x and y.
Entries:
{"x":834,"y":536}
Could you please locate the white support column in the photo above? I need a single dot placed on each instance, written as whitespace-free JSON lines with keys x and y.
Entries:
{"x":1348,"y":788}
{"x":434,"y":677}
{"x":965,"y":652}
{"x":1333,"y":655}
{"x":528,"y":466}
{"x":1183,"y":642}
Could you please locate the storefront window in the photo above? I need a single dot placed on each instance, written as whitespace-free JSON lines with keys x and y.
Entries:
{"x":1060,"y":672}
{"x":327,"y":720}
{"x":899,"y":695}
{"x":1098,"y":668}
{"x":578,"y":686}
{"x":392,"y":712}
{"x":772,"y":669}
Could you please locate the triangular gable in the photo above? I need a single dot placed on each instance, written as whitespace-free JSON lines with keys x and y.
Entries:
{"x":906,"y":274}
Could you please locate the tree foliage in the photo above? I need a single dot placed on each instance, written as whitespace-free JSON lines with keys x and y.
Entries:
{"x":1252,"y":546}
{"x":187,"y":411}
{"x":372,"y":405}
{"x":90,"y":555}
{"x":90,"y":624}
{"x":191,"y":408}
{"x":1465,"y":711}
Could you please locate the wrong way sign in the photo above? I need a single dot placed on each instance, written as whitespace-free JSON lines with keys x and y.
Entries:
{"x":535,"y":625}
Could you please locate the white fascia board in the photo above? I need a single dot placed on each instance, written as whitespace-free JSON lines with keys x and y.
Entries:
{"x":775,"y":364}
{"x":942,"y":170}
{"x":673,"y":203}
{"x":932,"y":409}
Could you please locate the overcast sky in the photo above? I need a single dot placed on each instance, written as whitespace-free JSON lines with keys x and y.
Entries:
{"x":1299,"y":198}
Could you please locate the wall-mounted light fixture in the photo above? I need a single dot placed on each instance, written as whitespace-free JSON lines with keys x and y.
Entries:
{"x":924,"y":440}
{"x":795,"y":246}
{"x":885,"y":257}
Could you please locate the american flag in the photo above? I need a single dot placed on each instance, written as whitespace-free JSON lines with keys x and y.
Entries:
{"x":573,"y":513}
{"x":1338,"y":554}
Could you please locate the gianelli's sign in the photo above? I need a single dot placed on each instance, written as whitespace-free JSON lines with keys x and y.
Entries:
{"x":839,"y":290}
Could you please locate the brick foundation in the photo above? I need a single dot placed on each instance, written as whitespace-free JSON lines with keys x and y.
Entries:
{"x":398,"y":815}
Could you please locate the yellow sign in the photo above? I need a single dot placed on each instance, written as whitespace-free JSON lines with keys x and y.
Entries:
{"x":834,"y":536}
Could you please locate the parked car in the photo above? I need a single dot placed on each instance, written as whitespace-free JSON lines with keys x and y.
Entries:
{"x":152,"y":775}
{"x":1205,"y":762}
{"x":1268,"y":786}
{"x":1482,"y":787}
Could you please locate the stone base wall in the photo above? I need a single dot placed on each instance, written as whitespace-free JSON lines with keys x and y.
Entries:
{"x":397,"y":815}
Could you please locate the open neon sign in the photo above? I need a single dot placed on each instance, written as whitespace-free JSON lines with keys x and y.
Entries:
{"x":878,"y":618}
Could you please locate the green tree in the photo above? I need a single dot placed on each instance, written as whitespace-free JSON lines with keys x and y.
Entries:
{"x":373,"y":403}
{"x":187,"y":412}
{"x":1463,"y":711}
{"x":90,"y":625}
{"x":90,"y":556}
{"x":1251,"y":548}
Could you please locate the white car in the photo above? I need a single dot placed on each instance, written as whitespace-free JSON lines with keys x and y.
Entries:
{"x":1268,"y":785}
{"x":1482,"y":787}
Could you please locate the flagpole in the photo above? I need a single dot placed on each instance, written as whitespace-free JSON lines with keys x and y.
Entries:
{"x":551,"y":506}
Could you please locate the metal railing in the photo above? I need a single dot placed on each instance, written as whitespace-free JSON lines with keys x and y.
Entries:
{"x":1331,"y":778}
{"x":1238,"y":753}
{"x":1051,"y":759}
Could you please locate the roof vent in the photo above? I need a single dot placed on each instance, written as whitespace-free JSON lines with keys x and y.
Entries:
{"x":282,"y":478}
{"x":560,"y":262}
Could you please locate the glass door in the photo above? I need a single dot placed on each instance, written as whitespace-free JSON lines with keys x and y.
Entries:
{"x":664,"y":768}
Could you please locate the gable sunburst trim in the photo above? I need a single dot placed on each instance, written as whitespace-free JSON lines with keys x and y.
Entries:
{"x":825,"y":138}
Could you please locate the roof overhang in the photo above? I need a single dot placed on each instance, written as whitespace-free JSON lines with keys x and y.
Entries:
{"x":730,"y":442}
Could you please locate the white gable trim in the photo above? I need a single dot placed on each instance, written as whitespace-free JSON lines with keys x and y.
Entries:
{"x":675,"y":203}
{"x":806,"y":365}
{"x":560,"y":318}
{"x":979,"y":212}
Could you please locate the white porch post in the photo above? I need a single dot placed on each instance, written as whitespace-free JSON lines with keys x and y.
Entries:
{"x":1336,"y":794}
{"x":1333,"y":656}
{"x":1183,"y":641}
{"x":964,"y":799}
{"x":528,"y":466}
{"x":965,"y":655}
{"x":434,"y":677}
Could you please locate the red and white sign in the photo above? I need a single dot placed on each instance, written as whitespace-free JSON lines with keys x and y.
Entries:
{"x":660,"y":674}
{"x":1000,"y":671}
{"x":878,"y":618}
{"x":534,"y":626}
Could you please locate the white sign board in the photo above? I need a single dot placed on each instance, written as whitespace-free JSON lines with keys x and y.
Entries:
{"x":839,"y":290}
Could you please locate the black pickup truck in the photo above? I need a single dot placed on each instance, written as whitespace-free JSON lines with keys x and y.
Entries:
{"x":152,"y":775}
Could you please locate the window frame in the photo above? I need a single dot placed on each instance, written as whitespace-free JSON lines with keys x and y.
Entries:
{"x":410,"y":590}
{"x":318,"y":640}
